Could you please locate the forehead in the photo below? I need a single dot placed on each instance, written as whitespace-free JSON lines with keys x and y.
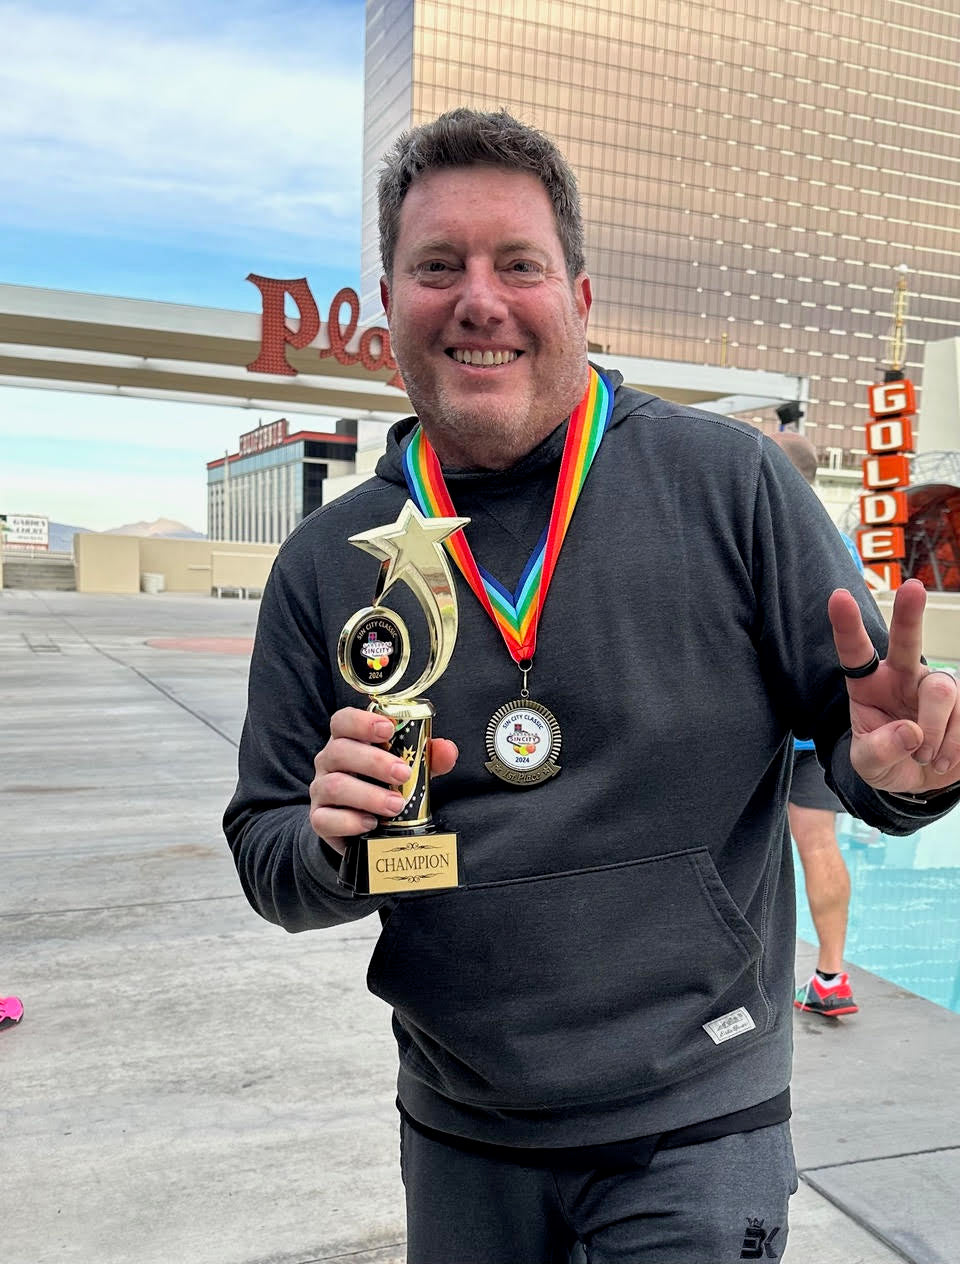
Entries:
{"x":477,"y":205}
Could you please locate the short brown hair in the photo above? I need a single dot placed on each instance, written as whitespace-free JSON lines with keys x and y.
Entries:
{"x":463,"y":138}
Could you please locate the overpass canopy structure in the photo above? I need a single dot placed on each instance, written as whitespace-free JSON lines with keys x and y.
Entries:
{"x":62,"y":340}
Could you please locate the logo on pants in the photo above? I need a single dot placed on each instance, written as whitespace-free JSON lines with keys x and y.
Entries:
{"x":758,"y":1243}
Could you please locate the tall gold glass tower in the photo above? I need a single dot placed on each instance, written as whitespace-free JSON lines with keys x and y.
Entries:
{"x":753,"y":172}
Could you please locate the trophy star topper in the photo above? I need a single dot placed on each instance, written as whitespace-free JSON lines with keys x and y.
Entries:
{"x":411,"y":549}
{"x":408,"y":546}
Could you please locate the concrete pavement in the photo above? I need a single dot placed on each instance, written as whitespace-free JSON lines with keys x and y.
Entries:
{"x":190,"y":1084}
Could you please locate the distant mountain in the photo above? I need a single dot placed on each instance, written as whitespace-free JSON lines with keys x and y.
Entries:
{"x":61,"y":536}
{"x":62,"y":533}
{"x":168,"y":528}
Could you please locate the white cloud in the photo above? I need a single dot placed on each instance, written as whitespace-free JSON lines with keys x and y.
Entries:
{"x":217,"y":125}
{"x":237,"y":128}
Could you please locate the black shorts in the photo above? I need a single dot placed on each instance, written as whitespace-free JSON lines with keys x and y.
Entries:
{"x":808,"y":789}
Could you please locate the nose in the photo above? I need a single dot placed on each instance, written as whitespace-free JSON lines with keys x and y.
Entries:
{"x":480,"y":301}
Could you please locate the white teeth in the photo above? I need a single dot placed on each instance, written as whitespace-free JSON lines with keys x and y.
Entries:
{"x":484,"y":359}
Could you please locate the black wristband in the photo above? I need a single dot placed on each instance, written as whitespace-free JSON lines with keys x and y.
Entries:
{"x":923,"y":798}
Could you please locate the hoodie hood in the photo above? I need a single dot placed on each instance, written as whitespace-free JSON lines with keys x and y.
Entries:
{"x":547,"y":452}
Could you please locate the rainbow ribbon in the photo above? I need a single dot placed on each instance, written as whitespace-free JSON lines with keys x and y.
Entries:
{"x":517,"y":614}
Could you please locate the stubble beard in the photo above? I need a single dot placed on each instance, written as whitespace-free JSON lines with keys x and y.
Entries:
{"x":495,"y":434}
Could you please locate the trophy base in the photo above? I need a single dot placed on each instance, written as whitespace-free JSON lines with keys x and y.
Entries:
{"x":402,"y":863}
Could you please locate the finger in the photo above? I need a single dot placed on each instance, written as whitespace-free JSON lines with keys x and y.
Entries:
{"x":854,"y":647}
{"x":336,"y":826}
{"x":342,"y":790}
{"x":906,"y":627}
{"x":361,"y":726}
{"x":884,"y":757}
{"x":343,"y":754}
{"x":938,"y":714}
{"x":443,"y":756}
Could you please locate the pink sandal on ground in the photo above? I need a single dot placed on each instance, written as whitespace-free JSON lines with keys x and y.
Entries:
{"x":11,"y":1011}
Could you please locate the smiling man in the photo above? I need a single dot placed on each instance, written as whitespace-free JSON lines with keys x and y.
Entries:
{"x":594,"y":1026}
{"x":484,"y":314}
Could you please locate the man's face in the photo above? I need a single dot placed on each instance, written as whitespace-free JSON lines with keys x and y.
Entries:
{"x":488,"y":330}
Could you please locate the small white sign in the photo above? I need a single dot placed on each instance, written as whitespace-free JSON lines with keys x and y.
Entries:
{"x":25,"y":529}
{"x":736,"y":1023}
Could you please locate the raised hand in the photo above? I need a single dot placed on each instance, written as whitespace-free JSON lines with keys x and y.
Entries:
{"x":905,"y":717}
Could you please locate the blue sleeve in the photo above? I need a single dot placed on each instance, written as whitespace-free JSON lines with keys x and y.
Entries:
{"x":852,"y":548}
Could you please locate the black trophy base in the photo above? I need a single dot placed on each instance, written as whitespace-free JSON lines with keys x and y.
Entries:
{"x":400,"y":863}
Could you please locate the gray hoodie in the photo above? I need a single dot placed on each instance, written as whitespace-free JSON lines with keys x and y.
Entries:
{"x":619,"y":958}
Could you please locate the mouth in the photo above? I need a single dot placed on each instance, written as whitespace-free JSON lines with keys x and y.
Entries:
{"x":483,"y":358}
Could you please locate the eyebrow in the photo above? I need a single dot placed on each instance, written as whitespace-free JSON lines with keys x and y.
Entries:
{"x":521,"y":246}
{"x":441,"y":244}
{"x":436,"y":244}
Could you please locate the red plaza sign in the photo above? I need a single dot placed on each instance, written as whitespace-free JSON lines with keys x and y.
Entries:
{"x":372,"y":350}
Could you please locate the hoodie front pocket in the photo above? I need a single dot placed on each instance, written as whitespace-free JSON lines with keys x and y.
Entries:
{"x":574,"y":987}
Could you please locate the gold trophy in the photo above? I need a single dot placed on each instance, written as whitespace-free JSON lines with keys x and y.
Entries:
{"x":406,"y":854}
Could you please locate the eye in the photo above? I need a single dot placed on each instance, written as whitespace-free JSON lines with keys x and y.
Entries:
{"x":523,"y":270}
{"x":435,"y":272}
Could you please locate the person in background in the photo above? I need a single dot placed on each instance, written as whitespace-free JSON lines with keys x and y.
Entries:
{"x":813,"y":809}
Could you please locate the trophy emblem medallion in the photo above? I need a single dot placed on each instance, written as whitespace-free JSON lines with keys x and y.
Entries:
{"x":523,"y":742}
{"x":405,"y":853}
{"x":377,"y":647}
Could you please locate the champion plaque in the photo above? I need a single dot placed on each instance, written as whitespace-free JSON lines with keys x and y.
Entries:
{"x":406,"y":853}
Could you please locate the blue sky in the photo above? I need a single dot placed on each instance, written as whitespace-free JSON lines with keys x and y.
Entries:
{"x":163,"y":152}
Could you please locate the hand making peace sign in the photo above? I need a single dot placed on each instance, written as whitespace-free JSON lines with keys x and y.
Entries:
{"x":905,"y":717}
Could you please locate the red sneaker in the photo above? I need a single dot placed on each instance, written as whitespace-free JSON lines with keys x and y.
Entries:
{"x":832,"y":999}
{"x":11,"y":1011}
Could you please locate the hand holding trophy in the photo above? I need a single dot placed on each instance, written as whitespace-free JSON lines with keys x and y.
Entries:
{"x":407,"y":854}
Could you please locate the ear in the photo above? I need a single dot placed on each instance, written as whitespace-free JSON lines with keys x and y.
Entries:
{"x":385,"y":295}
{"x":583,"y":297}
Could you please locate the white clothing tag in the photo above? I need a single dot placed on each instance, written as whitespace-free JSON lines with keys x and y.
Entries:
{"x":736,"y":1023}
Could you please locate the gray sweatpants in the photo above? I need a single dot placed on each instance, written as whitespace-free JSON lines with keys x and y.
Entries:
{"x":710,"y":1203}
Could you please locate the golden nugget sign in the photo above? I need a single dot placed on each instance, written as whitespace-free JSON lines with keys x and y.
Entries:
{"x":886,"y":475}
{"x":371,"y":349}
